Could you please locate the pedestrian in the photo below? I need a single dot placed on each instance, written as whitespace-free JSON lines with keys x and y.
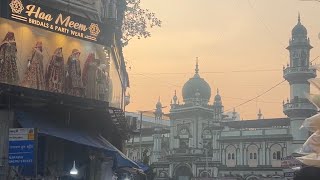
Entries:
{"x":307,"y":173}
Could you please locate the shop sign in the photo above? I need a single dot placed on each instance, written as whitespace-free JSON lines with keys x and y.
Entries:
{"x":21,"y":146}
{"x":289,"y":162}
{"x":27,"y":12}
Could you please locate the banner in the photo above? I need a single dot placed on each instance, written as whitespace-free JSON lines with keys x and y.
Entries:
{"x":30,"y":13}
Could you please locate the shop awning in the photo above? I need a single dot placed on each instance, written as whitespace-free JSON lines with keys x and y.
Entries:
{"x":143,"y":166}
{"x":45,"y":126}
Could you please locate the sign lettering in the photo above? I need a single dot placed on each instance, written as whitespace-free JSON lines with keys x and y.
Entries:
{"x":21,"y":146}
{"x":37,"y":13}
{"x":25,"y":11}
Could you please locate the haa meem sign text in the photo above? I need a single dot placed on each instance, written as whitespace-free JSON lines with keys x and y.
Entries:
{"x":25,"y":11}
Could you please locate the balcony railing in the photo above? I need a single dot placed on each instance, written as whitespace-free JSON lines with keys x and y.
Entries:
{"x":298,"y":105}
{"x":187,"y":151}
{"x":293,"y":70}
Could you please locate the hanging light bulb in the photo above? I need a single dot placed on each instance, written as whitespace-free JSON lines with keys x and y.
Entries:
{"x":74,"y":170}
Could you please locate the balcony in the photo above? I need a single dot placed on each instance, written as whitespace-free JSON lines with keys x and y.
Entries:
{"x":299,"y":109}
{"x":293,"y":74}
{"x":190,"y":151}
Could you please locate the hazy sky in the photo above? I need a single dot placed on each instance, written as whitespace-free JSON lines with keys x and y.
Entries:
{"x":228,"y":36}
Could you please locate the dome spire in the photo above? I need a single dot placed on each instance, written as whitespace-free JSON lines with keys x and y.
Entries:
{"x":175,"y":98}
{"x":299,"y":18}
{"x":159,"y":105}
{"x":260,"y":114}
{"x":217,"y":91}
{"x":197,"y":65}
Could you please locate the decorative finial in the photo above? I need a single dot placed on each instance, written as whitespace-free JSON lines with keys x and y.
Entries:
{"x":217,"y":91}
{"x":175,"y":97}
{"x":299,"y":17}
{"x":197,"y":65}
{"x":259,"y":114}
{"x":159,"y":99}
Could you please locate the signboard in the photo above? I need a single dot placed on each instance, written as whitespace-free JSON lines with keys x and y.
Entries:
{"x":27,"y":12}
{"x":290,"y":162}
{"x":21,"y":146}
{"x":288,"y":174}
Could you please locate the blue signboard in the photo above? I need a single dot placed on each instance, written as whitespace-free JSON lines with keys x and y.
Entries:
{"x":21,"y":147}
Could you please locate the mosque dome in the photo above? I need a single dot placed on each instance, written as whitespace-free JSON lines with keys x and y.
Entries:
{"x":196,"y":87}
{"x":299,"y":29}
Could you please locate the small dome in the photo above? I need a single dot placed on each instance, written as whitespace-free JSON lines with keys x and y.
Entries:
{"x":196,"y":86}
{"x":175,"y":98}
{"x":217,"y":97}
{"x":299,"y":29}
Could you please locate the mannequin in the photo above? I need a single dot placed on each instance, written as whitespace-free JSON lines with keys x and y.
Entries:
{"x":34,"y":75}
{"x":102,"y":82}
{"x":73,"y":80}
{"x":89,"y":77}
{"x":8,"y":60}
{"x":55,"y":72}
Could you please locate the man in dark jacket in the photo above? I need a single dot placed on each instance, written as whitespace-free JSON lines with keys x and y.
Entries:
{"x":308,"y":173}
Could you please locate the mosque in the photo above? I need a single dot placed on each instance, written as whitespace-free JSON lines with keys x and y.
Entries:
{"x":201,"y":142}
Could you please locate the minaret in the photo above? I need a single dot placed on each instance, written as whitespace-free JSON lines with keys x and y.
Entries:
{"x":234,"y":114}
{"x":298,"y":108}
{"x":156,"y":153}
{"x":217,"y":107}
{"x":259,"y":114}
{"x":158,"y":113}
{"x":175,"y":98}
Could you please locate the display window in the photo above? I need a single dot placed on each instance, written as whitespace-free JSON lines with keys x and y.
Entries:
{"x":48,"y":50}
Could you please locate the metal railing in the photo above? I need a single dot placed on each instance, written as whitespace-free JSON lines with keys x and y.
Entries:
{"x":290,"y":70}
{"x":298,"y":105}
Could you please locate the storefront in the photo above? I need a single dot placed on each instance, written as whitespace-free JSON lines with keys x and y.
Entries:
{"x":52,"y":50}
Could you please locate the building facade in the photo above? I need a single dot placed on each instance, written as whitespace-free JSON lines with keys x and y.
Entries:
{"x":205,"y":143}
{"x":63,"y":76}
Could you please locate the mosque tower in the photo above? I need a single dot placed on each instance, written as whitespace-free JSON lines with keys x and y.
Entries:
{"x":217,"y":107}
{"x":156,"y":153}
{"x":297,"y":73}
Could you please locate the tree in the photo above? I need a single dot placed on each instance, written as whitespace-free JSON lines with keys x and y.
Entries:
{"x":137,"y":22}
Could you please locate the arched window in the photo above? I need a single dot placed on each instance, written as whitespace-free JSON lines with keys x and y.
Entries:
{"x":229,"y":156}
{"x":278,"y":155}
{"x":250,"y":155}
{"x":232,"y":155}
{"x":255,"y":156}
{"x":274,"y":156}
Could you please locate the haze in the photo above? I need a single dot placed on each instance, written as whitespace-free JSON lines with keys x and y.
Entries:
{"x":228,"y":36}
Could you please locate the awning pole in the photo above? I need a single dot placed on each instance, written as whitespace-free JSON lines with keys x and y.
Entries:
{"x":140,"y":138}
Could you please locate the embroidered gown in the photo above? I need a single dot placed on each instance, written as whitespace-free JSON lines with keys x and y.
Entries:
{"x":34,"y":76}
{"x":73,"y":80}
{"x":55,"y":72}
{"x":8,"y":60}
{"x":102,"y":83}
{"x":89,"y":77}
